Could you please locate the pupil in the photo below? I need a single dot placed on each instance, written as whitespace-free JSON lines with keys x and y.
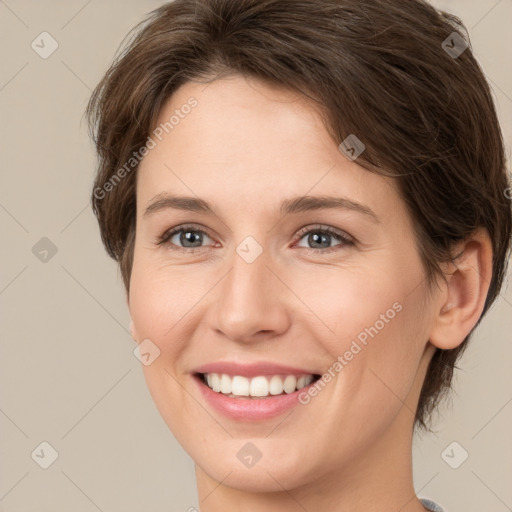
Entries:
{"x":189,"y":237}
{"x":314,"y":239}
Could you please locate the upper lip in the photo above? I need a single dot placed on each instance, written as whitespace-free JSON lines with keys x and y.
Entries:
{"x":251,"y":369}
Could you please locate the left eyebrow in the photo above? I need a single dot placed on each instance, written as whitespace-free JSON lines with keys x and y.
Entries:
{"x":289,"y":206}
{"x":310,"y":203}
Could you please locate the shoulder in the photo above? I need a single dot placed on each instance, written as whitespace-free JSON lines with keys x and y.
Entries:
{"x":430,"y":505}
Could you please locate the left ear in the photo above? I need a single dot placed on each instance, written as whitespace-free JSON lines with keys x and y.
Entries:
{"x":465,"y":291}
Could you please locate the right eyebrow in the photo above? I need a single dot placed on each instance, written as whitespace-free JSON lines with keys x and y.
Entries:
{"x":191,"y":204}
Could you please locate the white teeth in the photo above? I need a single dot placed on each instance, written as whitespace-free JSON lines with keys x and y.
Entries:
{"x":302,"y":381}
{"x":225,"y":384}
{"x":289,"y":384}
{"x":239,"y":386}
{"x":215,"y":385}
{"x":276,"y":385}
{"x":260,"y":386}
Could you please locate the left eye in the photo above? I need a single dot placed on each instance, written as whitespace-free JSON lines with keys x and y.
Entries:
{"x":319,"y":237}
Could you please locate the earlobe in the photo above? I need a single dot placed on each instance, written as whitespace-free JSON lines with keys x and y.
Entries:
{"x":465,"y":292}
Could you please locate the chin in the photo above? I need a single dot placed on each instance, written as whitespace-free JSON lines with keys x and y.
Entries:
{"x":274,"y":473}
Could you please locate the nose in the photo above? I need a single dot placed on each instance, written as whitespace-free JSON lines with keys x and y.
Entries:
{"x":251,"y":302}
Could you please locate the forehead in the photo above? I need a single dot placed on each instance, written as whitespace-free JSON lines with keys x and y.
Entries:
{"x":244,"y":140}
{"x":237,"y":119}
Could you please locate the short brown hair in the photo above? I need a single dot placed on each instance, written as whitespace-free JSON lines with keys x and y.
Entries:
{"x":378,"y":69}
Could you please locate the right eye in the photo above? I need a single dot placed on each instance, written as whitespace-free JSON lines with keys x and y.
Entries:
{"x":189,"y":236}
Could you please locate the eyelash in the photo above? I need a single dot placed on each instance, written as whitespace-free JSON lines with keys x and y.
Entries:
{"x":345,"y":239}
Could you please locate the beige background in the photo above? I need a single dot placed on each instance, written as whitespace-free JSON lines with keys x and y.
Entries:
{"x":67,"y":372}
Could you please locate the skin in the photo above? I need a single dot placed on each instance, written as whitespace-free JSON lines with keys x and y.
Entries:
{"x":246,"y":147}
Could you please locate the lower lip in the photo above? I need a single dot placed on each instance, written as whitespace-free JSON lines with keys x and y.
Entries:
{"x":250,"y":409}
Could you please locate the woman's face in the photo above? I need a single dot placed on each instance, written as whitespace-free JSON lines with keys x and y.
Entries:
{"x":260,"y":282}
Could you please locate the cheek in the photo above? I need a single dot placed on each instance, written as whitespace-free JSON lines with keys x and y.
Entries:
{"x":160,"y":297}
{"x":378,"y":326}
{"x":156,"y":308}
{"x":166,"y":306}
{"x":362,"y":304}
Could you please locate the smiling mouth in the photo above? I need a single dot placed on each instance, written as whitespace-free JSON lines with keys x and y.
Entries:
{"x":263,"y":386}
